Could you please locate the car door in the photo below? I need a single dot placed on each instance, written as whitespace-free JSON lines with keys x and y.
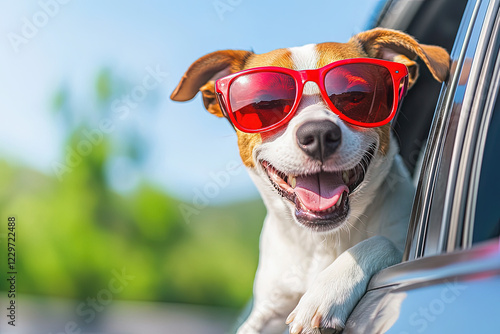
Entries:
{"x":449,"y":280}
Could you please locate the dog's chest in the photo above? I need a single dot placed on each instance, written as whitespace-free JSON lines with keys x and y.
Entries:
{"x":312,"y":262}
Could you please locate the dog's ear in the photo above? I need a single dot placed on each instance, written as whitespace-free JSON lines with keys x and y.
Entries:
{"x":397,"y":46}
{"x":201,"y":76}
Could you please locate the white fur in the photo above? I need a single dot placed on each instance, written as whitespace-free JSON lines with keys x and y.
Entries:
{"x":304,"y":57}
{"x":305,"y":271}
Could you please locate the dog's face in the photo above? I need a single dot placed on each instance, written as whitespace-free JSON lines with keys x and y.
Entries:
{"x":316,"y":164}
{"x":316,"y":168}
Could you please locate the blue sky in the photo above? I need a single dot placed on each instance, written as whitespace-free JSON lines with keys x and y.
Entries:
{"x":186,"y":144}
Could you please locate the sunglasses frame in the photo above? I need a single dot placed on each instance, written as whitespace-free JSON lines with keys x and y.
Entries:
{"x":398,"y":72}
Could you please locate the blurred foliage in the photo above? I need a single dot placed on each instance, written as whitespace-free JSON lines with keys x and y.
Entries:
{"x":72,"y":233}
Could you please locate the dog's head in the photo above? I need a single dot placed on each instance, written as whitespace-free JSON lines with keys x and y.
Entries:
{"x":316,"y":168}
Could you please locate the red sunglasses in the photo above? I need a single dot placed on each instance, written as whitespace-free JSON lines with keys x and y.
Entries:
{"x":361,"y":91}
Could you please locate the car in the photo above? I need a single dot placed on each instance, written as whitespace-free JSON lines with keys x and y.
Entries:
{"x":449,"y":279}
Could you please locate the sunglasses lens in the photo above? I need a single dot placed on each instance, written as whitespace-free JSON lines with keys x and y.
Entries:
{"x":259,"y":100}
{"x":362,"y":92}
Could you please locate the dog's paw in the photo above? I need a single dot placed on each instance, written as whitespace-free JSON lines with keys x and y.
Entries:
{"x":329,"y":301}
{"x":313,"y":313}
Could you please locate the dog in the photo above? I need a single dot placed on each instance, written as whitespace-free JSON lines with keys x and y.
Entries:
{"x":313,"y":130}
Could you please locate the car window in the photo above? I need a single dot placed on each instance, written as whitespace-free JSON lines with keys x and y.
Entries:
{"x":487,"y":215}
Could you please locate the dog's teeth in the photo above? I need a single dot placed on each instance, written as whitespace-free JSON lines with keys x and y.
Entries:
{"x":292,"y":180}
{"x":345,"y":177}
{"x":339,"y":201}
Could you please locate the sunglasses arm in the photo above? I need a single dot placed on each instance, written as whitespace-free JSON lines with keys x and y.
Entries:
{"x":222,"y":105}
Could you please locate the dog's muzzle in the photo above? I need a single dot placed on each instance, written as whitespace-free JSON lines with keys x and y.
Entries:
{"x":321,"y":199}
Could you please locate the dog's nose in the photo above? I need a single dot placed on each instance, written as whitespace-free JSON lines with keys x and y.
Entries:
{"x":319,"y":139}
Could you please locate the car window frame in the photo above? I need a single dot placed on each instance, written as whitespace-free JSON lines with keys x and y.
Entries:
{"x":481,"y":133}
{"x":438,"y":219}
{"x":462,"y":202}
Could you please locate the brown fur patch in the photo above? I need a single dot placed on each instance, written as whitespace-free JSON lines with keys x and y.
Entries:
{"x":209,"y":99}
{"x":330,"y":52}
{"x":246,"y":143}
{"x":278,"y":57}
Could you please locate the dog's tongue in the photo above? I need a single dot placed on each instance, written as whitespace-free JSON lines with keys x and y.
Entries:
{"x":321,"y":191}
